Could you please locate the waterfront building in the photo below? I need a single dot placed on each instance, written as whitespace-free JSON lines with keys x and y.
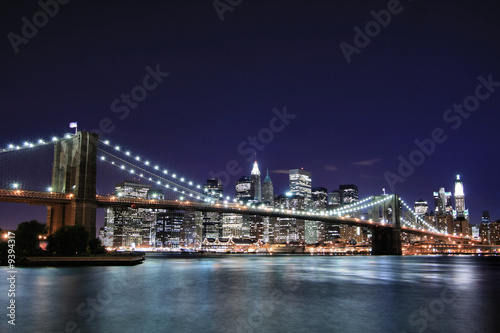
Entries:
{"x":485,"y":228}
{"x":289,"y":230}
{"x":168,"y":228}
{"x":349,"y":194}
{"x":490,"y":233}
{"x":232,"y":226}
{"x":129,"y":226}
{"x":212,"y":225}
{"x":192,"y":229}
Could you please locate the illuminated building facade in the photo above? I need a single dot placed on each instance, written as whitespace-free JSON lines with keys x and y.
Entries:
{"x":168,"y":228}
{"x":421,"y":208}
{"x":485,"y":228}
{"x":244,"y":189}
{"x":349,"y":194}
{"x":214,"y":189}
{"x":300,"y":183}
{"x":334,"y":199}
{"x":256,"y":190}
{"x":442,"y":202}
{"x":319,"y":197}
{"x":289,"y":230}
{"x":130,"y":189}
{"x":459,"y":195}
{"x":129,"y":226}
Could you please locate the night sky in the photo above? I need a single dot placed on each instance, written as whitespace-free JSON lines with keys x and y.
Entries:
{"x":347,"y":117}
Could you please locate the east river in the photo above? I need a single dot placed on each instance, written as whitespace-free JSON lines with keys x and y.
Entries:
{"x":253,"y":293}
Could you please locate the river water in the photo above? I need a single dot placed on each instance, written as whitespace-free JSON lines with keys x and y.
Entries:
{"x":252,"y":293}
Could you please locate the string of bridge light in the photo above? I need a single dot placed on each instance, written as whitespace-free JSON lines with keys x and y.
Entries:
{"x":141,"y":171}
{"x":156,"y":167}
{"x":419,"y":218}
{"x":151,"y":165}
{"x":335,"y":211}
{"x":349,"y":209}
{"x":28,"y":144}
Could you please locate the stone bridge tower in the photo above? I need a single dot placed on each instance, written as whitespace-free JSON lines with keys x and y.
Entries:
{"x":74,"y":173}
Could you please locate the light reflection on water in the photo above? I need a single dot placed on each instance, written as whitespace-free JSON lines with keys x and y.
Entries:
{"x":264,"y":294}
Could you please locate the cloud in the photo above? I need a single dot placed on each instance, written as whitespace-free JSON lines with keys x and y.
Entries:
{"x":367,"y":162}
{"x":280,"y":171}
{"x":331,"y":167}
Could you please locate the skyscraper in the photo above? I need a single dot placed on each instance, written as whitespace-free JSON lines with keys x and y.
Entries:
{"x":127,"y":226}
{"x":421,"y":208}
{"x":131,"y":189}
{"x":256,"y":185}
{"x":485,"y":228}
{"x":168,"y":228}
{"x":243,"y":189}
{"x":349,"y":194}
{"x":334,"y":199}
{"x":442,"y":202}
{"x":268,"y":190}
{"x":460,"y":210}
{"x":213,"y":188}
{"x":319,"y":196}
{"x":300,"y":183}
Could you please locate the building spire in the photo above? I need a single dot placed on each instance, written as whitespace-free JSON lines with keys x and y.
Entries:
{"x":255,"y":170}
{"x":268,"y":178}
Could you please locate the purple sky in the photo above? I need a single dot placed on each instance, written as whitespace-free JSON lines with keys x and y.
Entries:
{"x":350,"y":123}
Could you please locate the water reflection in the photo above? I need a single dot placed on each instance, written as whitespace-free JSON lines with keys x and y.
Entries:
{"x":264,"y":294}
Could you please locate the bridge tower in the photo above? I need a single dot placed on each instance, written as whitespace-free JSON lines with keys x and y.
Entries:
{"x":387,"y":241}
{"x":74,"y":173}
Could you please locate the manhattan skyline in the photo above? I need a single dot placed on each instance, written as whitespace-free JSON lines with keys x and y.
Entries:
{"x":349,"y":122}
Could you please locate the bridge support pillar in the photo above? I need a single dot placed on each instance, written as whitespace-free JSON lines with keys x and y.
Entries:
{"x":74,"y":173}
{"x":387,"y":240}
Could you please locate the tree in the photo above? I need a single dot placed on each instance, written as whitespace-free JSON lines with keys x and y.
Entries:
{"x":68,"y":240}
{"x":95,"y":246}
{"x":27,"y":237}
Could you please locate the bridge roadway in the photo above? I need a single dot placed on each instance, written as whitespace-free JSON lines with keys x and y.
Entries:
{"x":52,"y":199}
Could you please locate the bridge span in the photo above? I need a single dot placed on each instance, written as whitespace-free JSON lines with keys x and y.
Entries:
{"x":73,"y":199}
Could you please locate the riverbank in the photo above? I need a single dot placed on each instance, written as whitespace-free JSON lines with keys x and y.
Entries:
{"x":128,"y":259}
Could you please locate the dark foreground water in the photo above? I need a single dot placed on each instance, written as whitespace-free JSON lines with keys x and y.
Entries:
{"x":261,"y":294}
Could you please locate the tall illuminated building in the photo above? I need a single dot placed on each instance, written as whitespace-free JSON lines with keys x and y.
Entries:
{"x":300,"y":183}
{"x":485,"y":228}
{"x":349,"y":194}
{"x":268,"y":190}
{"x":421,"y":208}
{"x":334,"y":199}
{"x":130,"y":226}
{"x":243,"y":189}
{"x":442,"y":202}
{"x":319,"y":196}
{"x":256,"y":189}
{"x":460,"y":210}
{"x":213,"y":188}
